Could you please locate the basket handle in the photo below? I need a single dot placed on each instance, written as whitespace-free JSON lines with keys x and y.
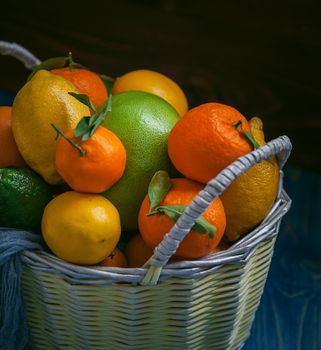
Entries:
{"x":19,"y":52}
{"x":164,"y":251}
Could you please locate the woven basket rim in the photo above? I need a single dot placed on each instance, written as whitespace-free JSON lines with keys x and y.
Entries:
{"x":238,"y":253}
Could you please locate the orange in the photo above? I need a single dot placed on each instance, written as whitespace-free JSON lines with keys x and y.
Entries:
{"x":207,"y":139}
{"x":115,"y":259}
{"x":154,"y":83}
{"x":137,"y":251}
{"x":194,"y":245}
{"x":86,"y":81}
{"x":101,"y":165}
{"x":9,"y":153}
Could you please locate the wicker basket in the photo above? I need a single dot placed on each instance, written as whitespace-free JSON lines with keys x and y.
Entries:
{"x":205,"y":304}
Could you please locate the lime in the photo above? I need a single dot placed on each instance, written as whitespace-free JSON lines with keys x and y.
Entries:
{"x":142,"y":122}
{"x":23,"y":197}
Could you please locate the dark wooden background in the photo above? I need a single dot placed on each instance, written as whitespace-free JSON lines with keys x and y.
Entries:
{"x":262,"y":57}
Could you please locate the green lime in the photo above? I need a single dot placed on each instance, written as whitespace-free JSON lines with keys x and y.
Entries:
{"x":142,"y":122}
{"x":23,"y":197}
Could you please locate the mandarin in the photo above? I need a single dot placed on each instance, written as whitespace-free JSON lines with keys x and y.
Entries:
{"x":101,"y":164}
{"x":207,"y":139}
{"x":137,"y":251}
{"x":194,"y":245}
{"x":9,"y":153}
{"x":115,"y":259}
{"x":86,"y":81}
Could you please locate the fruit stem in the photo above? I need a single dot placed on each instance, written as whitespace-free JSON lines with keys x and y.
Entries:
{"x":81,"y":151}
{"x":247,"y":135}
{"x":71,"y":62}
{"x":237,"y":124}
{"x":153,"y":212}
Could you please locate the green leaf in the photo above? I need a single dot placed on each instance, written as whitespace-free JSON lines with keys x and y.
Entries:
{"x":158,"y":188}
{"x":175,"y":211}
{"x":86,"y":136}
{"x":82,"y":127}
{"x":102,"y":115}
{"x":109,"y":83}
{"x":107,"y":105}
{"x":202,"y":226}
{"x":250,"y":137}
{"x":172,"y":211}
{"x":87,"y":126}
{"x":95,"y":127}
{"x":55,"y":63}
{"x":84,"y":99}
{"x":51,"y":63}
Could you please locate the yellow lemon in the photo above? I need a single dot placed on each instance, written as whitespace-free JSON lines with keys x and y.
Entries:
{"x":81,"y":228}
{"x":250,"y":197}
{"x":41,"y":101}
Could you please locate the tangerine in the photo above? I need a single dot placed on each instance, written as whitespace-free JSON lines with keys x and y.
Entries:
{"x":137,"y":251}
{"x":207,"y":139}
{"x":9,"y":152}
{"x":194,"y":245}
{"x":115,"y":259}
{"x":86,"y":81}
{"x":101,"y":164}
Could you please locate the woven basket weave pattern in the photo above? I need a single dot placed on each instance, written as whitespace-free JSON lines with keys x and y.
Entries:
{"x":175,"y":314}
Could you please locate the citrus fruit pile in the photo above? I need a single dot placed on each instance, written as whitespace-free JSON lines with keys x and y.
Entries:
{"x":104,"y":168}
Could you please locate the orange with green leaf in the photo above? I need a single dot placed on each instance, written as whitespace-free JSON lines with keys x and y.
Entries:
{"x":166,"y":201}
{"x":90,"y":158}
{"x":207,"y":139}
{"x":86,"y":81}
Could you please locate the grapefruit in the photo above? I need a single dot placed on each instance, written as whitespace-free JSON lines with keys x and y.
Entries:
{"x":142,"y":122}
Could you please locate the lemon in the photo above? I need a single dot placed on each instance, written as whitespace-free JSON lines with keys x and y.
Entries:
{"x":250,"y":197}
{"x":81,"y":228}
{"x":42,"y":101}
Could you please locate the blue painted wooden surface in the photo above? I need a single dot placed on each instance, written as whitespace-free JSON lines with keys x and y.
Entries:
{"x":6,"y":98}
{"x":289,"y":317}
